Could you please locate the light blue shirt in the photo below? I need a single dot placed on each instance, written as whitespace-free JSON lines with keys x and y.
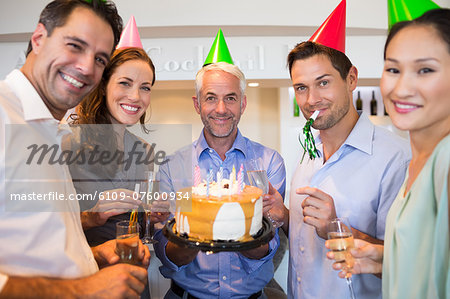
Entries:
{"x":223,"y":274}
{"x":363,"y":176}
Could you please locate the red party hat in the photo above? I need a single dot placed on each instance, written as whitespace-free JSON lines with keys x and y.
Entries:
{"x":130,"y":36}
{"x":332,"y":32}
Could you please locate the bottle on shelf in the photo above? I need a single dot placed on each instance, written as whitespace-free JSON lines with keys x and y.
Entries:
{"x":296,"y":108}
{"x":373,"y":104}
{"x":359,"y":103}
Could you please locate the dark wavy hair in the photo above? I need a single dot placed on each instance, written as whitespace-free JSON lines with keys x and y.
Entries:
{"x":93,"y":109}
{"x":309,"y":49}
{"x":439,"y":19}
{"x":56,"y":13}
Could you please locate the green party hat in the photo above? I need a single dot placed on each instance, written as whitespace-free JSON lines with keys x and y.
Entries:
{"x":219,"y":51}
{"x":405,"y":10}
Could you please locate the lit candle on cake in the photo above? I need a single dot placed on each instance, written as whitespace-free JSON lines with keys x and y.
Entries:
{"x":241,"y":179}
{"x":210,"y":178}
{"x":232,"y":177}
{"x":197,"y":176}
{"x":220,"y":176}
{"x":219,"y":180}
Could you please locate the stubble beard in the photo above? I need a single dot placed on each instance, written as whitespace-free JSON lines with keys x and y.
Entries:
{"x":211,"y":130}
{"x":333,"y":119}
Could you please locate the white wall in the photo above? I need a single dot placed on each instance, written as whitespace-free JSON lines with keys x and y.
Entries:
{"x":21,"y":15}
{"x":179,"y":33}
{"x":290,"y":127}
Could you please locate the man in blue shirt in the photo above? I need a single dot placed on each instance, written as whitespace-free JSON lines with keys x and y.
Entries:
{"x":357,"y":174}
{"x":220,"y":101}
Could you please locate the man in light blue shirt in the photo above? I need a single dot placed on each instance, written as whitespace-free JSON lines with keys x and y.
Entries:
{"x":357,"y":174}
{"x":220,"y":101}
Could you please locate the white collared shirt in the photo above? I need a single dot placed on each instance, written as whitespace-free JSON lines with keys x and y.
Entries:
{"x":37,"y":237}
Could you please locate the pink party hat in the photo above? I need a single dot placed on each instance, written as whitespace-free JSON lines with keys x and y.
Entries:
{"x":130,"y":36}
{"x":332,"y":32}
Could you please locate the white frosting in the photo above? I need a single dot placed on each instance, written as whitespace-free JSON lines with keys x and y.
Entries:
{"x":216,"y":189}
{"x":186,"y":225}
{"x":229,"y":223}
{"x":182,"y":223}
{"x":257,"y":216}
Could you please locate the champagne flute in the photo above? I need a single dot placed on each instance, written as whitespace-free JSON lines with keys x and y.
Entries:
{"x":149,"y":192}
{"x":341,"y":241}
{"x":257,"y":177}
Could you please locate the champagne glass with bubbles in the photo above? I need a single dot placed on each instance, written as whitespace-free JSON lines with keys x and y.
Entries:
{"x":149,"y":192}
{"x":341,"y":241}
{"x":257,"y":177}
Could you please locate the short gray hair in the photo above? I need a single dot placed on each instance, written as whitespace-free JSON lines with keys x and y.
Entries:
{"x":220,"y":66}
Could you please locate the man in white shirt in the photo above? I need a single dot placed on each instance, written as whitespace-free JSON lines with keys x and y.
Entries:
{"x":43,"y":251}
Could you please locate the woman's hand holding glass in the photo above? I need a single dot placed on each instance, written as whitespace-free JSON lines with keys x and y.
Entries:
{"x":340,"y":240}
{"x":368,"y":258}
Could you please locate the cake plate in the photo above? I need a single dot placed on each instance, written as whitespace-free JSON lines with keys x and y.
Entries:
{"x":264,"y":235}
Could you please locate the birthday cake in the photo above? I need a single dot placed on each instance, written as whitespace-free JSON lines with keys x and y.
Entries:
{"x":226,"y":210}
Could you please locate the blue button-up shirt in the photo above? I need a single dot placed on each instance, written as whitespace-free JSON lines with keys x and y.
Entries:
{"x":363,"y":176}
{"x":223,"y":274}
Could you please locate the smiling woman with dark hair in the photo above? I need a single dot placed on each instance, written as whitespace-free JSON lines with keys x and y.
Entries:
{"x":121,"y":100}
{"x":415,"y":258}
